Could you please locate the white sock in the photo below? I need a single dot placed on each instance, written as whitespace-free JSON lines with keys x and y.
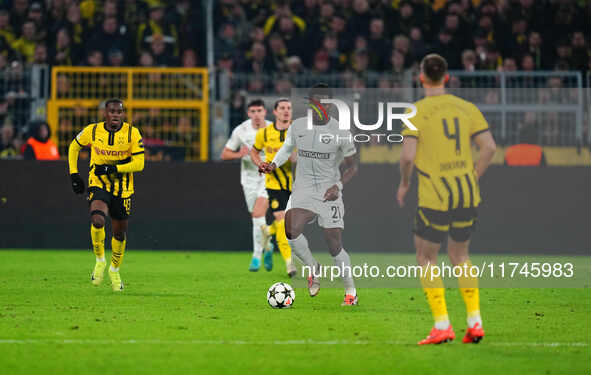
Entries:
{"x":473,"y":319}
{"x":113,"y":269}
{"x":257,"y":236}
{"x":299,"y":246}
{"x":343,"y":261}
{"x":443,"y":324}
{"x":101,"y":259}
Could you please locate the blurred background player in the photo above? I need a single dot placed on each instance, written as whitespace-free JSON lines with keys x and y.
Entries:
{"x":253,"y":183}
{"x":317,"y":190}
{"x":279,"y":181}
{"x":116,"y":153}
{"x":448,"y":190}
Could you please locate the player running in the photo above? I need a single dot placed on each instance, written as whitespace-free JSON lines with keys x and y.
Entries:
{"x":317,"y":190}
{"x":253,"y":183}
{"x":117,"y":152}
{"x":278,"y":183}
{"x":448,"y":190}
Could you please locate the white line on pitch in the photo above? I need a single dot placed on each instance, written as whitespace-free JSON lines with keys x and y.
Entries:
{"x":270,"y":342}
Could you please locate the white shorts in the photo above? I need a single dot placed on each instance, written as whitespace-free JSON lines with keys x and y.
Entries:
{"x":329,"y":214}
{"x":254,"y":191}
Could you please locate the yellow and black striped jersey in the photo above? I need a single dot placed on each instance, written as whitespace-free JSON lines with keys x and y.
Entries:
{"x":111,"y":147}
{"x":270,"y":140}
{"x":446,"y":125}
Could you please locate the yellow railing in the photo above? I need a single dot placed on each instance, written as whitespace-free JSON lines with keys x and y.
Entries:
{"x":170,"y":106}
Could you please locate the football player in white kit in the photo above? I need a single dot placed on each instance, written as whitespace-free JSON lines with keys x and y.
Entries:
{"x":253,"y":183}
{"x":317,"y":189}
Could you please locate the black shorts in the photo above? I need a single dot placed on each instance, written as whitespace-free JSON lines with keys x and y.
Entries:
{"x":434,"y":225}
{"x":119,"y":208}
{"x":278,"y":199}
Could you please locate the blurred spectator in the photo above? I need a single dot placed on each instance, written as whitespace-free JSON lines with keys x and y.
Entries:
{"x":283,"y":11}
{"x":94,"y":57}
{"x":277,"y":51}
{"x":8,"y":148}
{"x":377,"y":44}
{"x":580,"y":52}
{"x":257,"y":60}
{"x":40,"y":146}
{"x":110,"y":37}
{"x":116,"y":57}
{"x":189,"y":59}
{"x":18,"y":14}
{"x":537,"y":51}
{"x":527,"y":153}
{"x":63,"y":53}
{"x":157,"y":25}
{"x":36,"y":15}
{"x":25,"y":45}
{"x":40,"y":56}
{"x":226,"y":41}
{"x":158,"y":50}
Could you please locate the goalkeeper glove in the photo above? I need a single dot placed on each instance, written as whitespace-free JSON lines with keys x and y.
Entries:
{"x":102,"y":169}
{"x":77,"y":183}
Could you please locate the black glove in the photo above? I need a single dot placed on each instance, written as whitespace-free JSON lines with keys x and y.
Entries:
{"x":102,"y":169}
{"x":77,"y":183}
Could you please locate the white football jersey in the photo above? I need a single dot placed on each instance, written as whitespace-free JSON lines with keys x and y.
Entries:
{"x":320,"y":152}
{"x":244,"y":135}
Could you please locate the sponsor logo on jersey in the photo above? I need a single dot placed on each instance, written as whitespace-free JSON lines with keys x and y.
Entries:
{"x":99,"y":151}
{"x":314,"y":154}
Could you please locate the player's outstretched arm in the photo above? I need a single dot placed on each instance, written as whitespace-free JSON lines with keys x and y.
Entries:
{"x":488,"y":147}
{"x":73,"y":153}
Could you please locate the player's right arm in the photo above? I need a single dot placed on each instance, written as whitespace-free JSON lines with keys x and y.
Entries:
{"x":82,"y":139}
{"x":481,"y":135}
{"x":233,"y":149}
{"x":282,"y":155}
{"x":259,"y":144}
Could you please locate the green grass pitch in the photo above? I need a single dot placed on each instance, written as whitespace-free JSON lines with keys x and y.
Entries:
{"x":203,"y":312}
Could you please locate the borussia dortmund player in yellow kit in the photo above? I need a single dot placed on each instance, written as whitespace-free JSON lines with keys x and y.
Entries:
{"x":116,"y":152}
{"x":278,"y":184}
{"x":448,"y":190}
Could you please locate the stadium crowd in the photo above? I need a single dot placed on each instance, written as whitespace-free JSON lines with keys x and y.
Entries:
{"x":281,"y":38}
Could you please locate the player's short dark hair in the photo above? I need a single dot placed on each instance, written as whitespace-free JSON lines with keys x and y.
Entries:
{"x":320,"y":89}
{"x":280,"y":101}
{"x":114,"y":100}
{"x":434,"y":67}
{"x":256,"y":103}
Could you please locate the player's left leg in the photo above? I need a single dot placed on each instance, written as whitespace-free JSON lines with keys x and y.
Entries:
{"x":118,"y":243}
{"x":333,"y":237}
{"x":457,"y":249}
{"x":120,"y":210}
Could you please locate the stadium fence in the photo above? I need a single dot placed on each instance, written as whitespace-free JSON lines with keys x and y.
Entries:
{"x":551,"y":101}
{"x":170,"y":106}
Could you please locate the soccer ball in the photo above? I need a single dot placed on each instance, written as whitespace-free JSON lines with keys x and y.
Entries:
{"x":280,"y":296}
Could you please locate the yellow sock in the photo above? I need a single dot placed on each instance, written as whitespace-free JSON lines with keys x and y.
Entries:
{"x":118,"y":249}
{"x":469,"y":290}
{"x":97,"y":236}
{"x":433,"y":288}
{"x":284,"y":247}
{"x":272,"y":229}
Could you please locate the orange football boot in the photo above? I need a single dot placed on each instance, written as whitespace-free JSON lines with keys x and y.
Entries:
{"x":474,"y":334}
{"x":439,"y":336}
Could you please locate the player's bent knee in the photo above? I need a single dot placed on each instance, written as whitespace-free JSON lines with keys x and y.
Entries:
{"x":98,"y":218}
